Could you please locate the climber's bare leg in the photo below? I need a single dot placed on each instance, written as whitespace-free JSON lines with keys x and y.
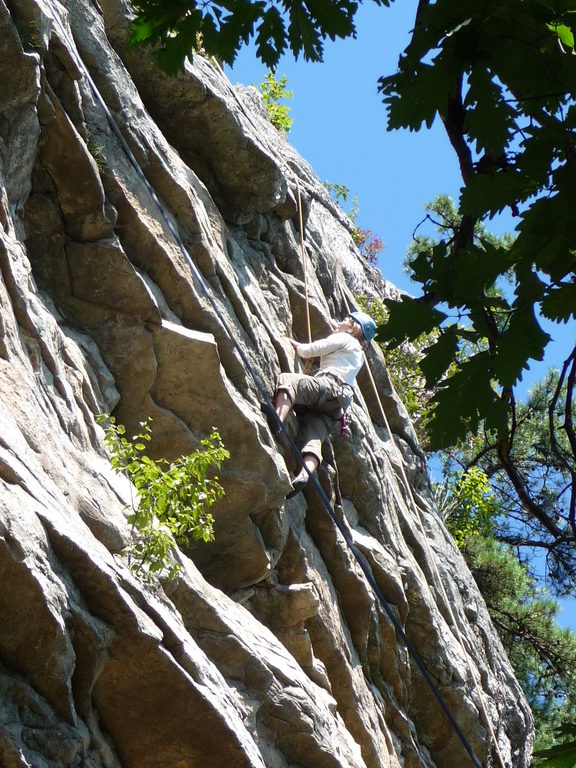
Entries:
{"x":283,"y":404}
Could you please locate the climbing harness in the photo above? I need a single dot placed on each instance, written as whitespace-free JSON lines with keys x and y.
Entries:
{"x":281,"y":428}
{"x":333,"y":390}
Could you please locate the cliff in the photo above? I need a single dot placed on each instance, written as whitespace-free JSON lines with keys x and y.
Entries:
{"x":270,"y":647}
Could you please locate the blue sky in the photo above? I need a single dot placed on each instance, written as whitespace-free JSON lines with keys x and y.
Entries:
{"x":340,"y":129}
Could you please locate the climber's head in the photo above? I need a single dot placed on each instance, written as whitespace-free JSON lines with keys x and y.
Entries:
{"x":366,"y":323}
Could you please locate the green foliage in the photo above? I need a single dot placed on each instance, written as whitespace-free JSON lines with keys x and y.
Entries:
{"x":542,"y":654}
{"x":442,"y":213}
{"x":458,"y":364}
{"x":496,"y":76}
{"x":172,"y":26}
{"x":526,"y":450}
{"x":408,"y":321}
{"x":563,"y":754}
{"x":494,"y":523}
{"x":173,"y":498}
{"x":467,"y":504}
{"x":273,"y":91}
{"x":339,"y":192}
{"x":532,"y":480}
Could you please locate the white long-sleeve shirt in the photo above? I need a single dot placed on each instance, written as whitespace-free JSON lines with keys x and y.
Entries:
{"x":340,"y":353}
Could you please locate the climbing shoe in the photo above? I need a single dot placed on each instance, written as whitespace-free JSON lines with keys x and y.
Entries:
{"x":298,"y":484}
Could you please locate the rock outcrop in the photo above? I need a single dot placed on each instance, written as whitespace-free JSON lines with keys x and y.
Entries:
{"x":270,"y":647}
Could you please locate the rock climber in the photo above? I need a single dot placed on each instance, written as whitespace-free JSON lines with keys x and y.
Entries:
{"x":327,"y":393}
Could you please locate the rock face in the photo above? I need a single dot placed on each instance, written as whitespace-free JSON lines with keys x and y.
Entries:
{"x":270,"y":648}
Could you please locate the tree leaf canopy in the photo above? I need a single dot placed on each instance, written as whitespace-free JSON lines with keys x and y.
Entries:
{"x":176,"y":28}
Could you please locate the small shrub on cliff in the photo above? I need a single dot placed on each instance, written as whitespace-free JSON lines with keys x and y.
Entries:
{"x":369,"y":244}
{"x":173,"y":497}
{"x":273,"y":91}
{"x":338,"y":192}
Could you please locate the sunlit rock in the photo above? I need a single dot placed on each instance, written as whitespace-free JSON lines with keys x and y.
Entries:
{"x":270,"y":649}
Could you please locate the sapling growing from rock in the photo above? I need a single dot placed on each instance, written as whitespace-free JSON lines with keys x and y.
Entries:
{"x":173,"y":498}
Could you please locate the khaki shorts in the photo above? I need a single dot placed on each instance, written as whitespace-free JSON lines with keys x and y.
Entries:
{"x":318,"y":395}
{"x":310,"y":391}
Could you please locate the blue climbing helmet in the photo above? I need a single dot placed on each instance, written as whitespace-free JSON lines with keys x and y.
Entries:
{"x":366,"y":323}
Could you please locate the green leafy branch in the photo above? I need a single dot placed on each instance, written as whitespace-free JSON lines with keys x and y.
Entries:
{"x":273,"y":91}
{"x":464,"y":304}
{"x":173,"y":497}
{"x":468,"y":504}
{"x":339,"y":192}
{"x":172,"y":27}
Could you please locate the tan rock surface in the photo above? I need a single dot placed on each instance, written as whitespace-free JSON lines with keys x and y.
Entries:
{"x":270,"y":649}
